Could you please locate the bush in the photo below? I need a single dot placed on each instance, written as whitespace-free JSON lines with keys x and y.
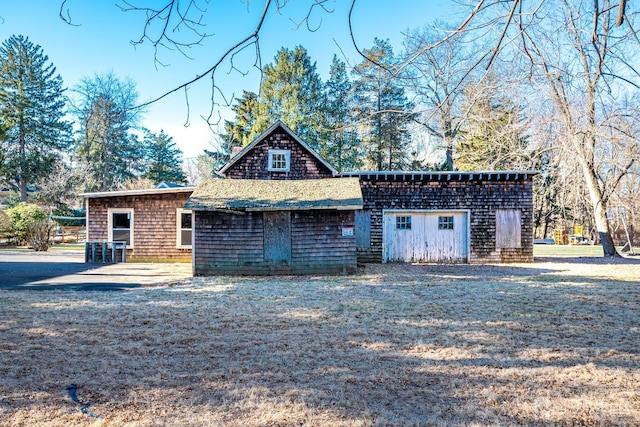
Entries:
{"x":5,"y":222}
{"x":21,"y":216}
{"x":37,"y":234}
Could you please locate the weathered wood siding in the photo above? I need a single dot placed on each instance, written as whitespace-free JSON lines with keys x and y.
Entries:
{"x":318,"y":244}
{"x":154,"y":223}
{"x":227,"y":243}
{"x":482,"y":197}
{"x":508,"y":228}
{"x":235,"y":244}
{"x":254,"y":164}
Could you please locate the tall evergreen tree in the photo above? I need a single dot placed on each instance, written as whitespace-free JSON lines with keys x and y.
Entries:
{"x":165,"y":159}
{"x":238,"y":131}
{"x":383,"y":109}
{"x":105,"y":145}
{"x":31,"y":113}
{"x":291,"y":92}
{"x":340,"y":145}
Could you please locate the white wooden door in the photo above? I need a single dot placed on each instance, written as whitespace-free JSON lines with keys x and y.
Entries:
{"x":420,"y":236}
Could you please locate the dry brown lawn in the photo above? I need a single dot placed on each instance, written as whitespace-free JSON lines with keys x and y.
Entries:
{"x":551,"y":343}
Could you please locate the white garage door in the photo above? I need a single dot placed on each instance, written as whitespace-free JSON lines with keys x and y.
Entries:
{"x":425,"y":236}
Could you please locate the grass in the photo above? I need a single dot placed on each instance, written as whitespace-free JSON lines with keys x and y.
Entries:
{"x":524,"y":344}
{"x":67,"y":247}
{"x":567,"y":250}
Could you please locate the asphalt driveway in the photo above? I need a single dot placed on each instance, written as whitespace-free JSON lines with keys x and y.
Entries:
{"x":66,"y":270}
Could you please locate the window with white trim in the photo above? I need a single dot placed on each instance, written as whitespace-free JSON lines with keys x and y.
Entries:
{"x":120,"y":225}
{"x":184,"y":228}
{"x":279,"y":160}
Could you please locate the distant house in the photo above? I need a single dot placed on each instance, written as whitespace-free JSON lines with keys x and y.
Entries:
{"x":165,"y":184}
{"x":283,"y":209}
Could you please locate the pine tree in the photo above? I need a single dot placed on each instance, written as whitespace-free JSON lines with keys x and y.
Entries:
{"x":340,"y":144}
{"x":238,"y":131}
{"x":31,"y":113}
{"x":105,"y":144}
{"x":383,"y":109}
{"x":291,"y":92}
{"x":165,"y":159}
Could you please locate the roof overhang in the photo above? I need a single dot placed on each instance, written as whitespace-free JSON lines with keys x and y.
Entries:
{"x":514,"y":175}
{"x":146,"y":192}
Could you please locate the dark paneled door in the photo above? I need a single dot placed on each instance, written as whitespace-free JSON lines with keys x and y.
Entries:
{"x":277,"y":236}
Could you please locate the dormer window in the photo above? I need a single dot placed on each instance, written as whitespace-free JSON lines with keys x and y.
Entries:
{"x":279,"y":160}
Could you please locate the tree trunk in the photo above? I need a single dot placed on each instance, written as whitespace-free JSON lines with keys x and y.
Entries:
{"x":448,"y":143}
{"x":546,"y":226}
{"x":599,"y":204}
{"x":22,"y":186}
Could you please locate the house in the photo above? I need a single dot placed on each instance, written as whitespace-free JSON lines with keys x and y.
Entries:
{"x":282,"y":209}
{"x":152,"y":222}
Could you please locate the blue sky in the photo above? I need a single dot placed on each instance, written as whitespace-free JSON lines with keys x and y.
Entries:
{"x":100,"y":41}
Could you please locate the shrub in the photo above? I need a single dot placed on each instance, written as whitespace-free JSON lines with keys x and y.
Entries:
{"x":21,"y":216}
{"x":5,"y":222}
{"x":6,"y":234}
{"x":37,"y":234}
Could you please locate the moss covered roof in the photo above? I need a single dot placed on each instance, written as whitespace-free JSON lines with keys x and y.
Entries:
{"x":260,"y":195}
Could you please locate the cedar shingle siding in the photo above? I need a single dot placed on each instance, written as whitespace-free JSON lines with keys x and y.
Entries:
{"x":234,"y":244}
{"x":482,"y":197}
{"x":253,"y":165}
{"x":154,"y":223}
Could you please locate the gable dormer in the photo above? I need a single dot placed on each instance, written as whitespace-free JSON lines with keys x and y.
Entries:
{"x":278,"y":153}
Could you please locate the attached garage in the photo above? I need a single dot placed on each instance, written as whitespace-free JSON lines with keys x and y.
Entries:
{"x":425,"y":236}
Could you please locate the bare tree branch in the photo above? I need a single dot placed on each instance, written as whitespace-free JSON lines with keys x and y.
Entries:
{"x":248,"y":40}
{"x":65,"y":14}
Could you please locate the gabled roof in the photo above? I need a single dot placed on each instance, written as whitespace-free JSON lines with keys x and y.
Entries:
{"x":269,"y":195}
{"x":265,"y":134}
